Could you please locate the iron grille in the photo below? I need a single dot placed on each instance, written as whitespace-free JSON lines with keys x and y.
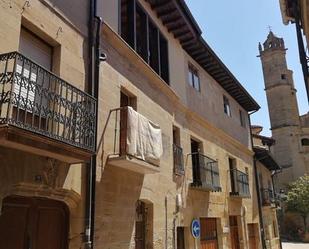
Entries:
{"x":178,"y":160}
{"x":205,"y":172}
{"x":34,"y":99}
{"x":240,"y":183}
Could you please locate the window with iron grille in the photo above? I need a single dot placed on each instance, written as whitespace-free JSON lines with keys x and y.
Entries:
{"x":177,"y":152}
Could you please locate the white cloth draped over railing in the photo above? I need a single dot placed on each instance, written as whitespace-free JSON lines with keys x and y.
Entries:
{"x":144,"y":138}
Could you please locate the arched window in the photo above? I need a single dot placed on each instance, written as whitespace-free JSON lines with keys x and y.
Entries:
{"x":305,"y":142}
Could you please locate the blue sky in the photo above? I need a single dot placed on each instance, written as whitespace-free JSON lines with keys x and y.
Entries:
{"x":233,"y":29}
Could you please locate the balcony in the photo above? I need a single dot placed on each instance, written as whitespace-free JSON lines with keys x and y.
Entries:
{"x":239,"y":184}
{"x":137,"y":142}
{"x":205,"y":173}
{"x":178,"y":160}
{"x":268,"y":197}
{"x":42,"y":114}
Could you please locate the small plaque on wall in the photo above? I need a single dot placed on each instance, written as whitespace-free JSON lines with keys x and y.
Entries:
{"x":226,"y":229}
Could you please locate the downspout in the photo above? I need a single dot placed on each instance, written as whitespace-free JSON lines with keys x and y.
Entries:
{"x":301,"y":48}
{"x":273,"y":183}
{"x":93,"y":89}
{"x":257,"y":185}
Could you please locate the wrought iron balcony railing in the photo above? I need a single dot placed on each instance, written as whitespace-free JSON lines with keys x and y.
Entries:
{"x":268,"y":197}
{"x":239,"y":183}
{"x":205,"y":172}
{"x":34,"y":99}
{"x":178,"y":160}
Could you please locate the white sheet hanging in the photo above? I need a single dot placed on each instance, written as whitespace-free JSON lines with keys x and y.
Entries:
{"x":144,"y":138}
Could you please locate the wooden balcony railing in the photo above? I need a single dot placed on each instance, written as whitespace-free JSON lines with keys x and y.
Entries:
{"x":205,"y":172}
{"x":239,"y":183}
{"x":35,"y":100}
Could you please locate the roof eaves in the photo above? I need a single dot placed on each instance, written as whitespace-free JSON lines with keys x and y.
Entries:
{"x":254,"y":105}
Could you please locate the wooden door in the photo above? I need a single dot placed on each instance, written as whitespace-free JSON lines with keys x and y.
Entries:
{"x":252,"y":237}
{"x":234,"y":232}
{"x":180,"y":238}
{"x":33,"y":223}
{"x":209,"y":239}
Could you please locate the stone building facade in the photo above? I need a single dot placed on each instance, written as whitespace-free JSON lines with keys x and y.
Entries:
{"x":202,"y":112}
{"x":267,"y":171}
{"x":289,"y":129}
{"x":157,"y":64}
{"x":42,"y":151}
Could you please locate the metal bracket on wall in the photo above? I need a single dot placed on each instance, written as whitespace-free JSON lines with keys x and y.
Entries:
{"x":26,"y":5}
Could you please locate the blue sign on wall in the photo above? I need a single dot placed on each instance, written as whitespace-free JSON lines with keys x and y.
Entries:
{"x":195,"y":228}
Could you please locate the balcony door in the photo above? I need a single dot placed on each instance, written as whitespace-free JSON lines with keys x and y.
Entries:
{"x":33,"y":223}
{"x":29,"y":106}
{"x":39,"y":52}
{"x":195,"y":149}
{"x":125,"y":100}
{"x":233,"y":175}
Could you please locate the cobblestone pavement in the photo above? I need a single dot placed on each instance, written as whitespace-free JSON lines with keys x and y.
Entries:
{"x":289,"y":245}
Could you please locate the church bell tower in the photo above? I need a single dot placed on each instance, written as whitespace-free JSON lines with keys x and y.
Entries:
{"x":282,"y":104}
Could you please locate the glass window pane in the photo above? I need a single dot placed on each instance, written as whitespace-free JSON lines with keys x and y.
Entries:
{"x":141,"y":33}
{"x":190,"y":77}
{"x":196,"y":82}
{"x":164,"y":59}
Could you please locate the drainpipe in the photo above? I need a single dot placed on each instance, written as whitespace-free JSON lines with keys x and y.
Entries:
{"x":94,"y":57}
{"x":301,"y":48}
{"x":257,"y":185}
{"x":272,"y":180}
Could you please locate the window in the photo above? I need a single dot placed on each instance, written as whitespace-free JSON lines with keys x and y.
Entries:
{"x":143,"y":225}
{"x":141,"y":30}
{"x":177,"y":152}
{"x":153,"y":47}
{"x":242,"y":118}
{"x":305,"y":142}
{"x":193,"y":78}
{"x":144,"y":37}
{"x":39,"y":51}
{"x":226,"y":105}
{"x":283,"y":76}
